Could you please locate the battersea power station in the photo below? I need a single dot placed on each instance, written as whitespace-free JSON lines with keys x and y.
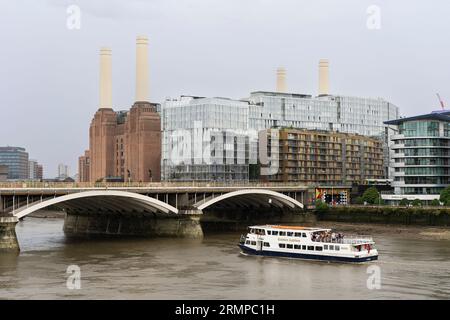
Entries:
{"x":124,"y":145}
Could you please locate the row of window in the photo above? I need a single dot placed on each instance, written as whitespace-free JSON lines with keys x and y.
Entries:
{"x":286,"y":233}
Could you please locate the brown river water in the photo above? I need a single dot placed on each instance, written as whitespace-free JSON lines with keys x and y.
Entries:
{"x":212,"y":268}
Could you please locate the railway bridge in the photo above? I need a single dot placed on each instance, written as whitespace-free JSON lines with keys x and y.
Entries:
{"x":148,"y":209}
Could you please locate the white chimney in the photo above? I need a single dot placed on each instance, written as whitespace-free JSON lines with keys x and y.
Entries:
{"x":142,"y":83}
{"x":105,"y":78}
{"x":323,"y":77}
{"x":281,"y":80}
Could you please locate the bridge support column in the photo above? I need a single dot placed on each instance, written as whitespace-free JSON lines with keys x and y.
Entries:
{"x":8,"y":237}
{"x":180,"y":225}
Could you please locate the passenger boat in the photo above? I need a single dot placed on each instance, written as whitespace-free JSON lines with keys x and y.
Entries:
{"x":307,"y":243}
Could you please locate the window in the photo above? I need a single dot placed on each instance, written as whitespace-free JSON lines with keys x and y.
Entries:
{"x":325,"y":247}
{"x":311,"y":248}
{"x":319,"y":248}
{"x":282,"y":245}
{"x":304,"y":235}
{"x":298,"y":234}
{"x":303,"y":247}
{"x":266,"y":244}
{"x":253,"y":243}
{"x":247,"y":242}
{"x":331,"y":247}
{"x":337,"y":248}
{"x":274,"y":233}
{"x":297,"y":246}
{"x":269,"y":232}
{"x":282,"y":233}
{"x":290,"y":234}
{"x":289,"y":246}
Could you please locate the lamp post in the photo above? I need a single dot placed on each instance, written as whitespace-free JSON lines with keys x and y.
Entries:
{"x":150,"y":175}
{"x":129,"y":176}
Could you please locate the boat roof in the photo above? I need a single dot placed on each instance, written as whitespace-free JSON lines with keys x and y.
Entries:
{"x":268,"y":226}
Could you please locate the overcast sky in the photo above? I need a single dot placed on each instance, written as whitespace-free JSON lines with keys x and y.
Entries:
{"x":228,"y":48}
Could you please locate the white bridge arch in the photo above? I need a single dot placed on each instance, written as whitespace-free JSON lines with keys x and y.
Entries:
{"x":143,"y":201}
{"x":268,"y":194}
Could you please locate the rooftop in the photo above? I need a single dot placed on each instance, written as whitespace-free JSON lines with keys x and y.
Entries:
{"x":442,"y":115}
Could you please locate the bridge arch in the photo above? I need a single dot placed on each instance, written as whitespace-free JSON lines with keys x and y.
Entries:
{"x":248,"y":193}
{"x":76,"y":199}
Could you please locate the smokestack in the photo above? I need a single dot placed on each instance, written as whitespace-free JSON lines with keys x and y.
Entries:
{"x":105,"y":78}
{"x":142,"y":68}
{"x":281,"y":80}
{"x":323,"y":77}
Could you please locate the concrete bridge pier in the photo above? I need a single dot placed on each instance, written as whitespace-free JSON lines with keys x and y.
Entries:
{"x":8,"y":237}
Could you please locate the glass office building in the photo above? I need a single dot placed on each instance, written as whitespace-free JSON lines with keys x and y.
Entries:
{"x":16,"y":159}
{"x":420,"y":156}
{"x":205,"y":139}
{"x":231,"y":128}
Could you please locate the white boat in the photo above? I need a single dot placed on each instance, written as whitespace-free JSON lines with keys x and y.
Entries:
{"x":307,"y":243}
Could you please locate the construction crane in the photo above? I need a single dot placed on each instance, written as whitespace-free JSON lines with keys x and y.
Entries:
{"x":440,"y":100}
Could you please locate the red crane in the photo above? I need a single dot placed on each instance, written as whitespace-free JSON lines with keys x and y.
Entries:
{"x":440,"y":100}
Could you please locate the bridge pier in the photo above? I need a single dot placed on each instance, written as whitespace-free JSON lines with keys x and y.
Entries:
{"x":8,"y":237}
{"x":109,"y":224}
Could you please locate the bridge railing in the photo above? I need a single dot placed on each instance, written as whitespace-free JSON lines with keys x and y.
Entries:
{"x":195,"y":184}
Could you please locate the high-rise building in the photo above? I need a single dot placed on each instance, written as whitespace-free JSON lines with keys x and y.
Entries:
{"x":317,"y":157}
{"x":420,"y":161}
{"x":3,"y":172}
{"x":125,"y":144}
{"x":84,"y":163}
{"x":63,"y":171}
{"x":16,"y":158}
{"x":35,"y":170}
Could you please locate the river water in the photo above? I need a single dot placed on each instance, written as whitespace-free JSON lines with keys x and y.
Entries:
{"x":212,"y":268}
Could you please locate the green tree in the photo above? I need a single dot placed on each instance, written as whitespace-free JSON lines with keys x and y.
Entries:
{"x":445,"y":195}
{"x":371,"y":196}
{"x":404,"y":202}
{"x":359,"y":200}
{"x":321,"y":207}
{"x":435,"y":203}
{"x":416,"y":202}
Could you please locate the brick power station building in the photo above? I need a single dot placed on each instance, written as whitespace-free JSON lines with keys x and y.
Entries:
{"x":124,"y":145}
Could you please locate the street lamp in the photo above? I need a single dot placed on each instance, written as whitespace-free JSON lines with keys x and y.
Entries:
{"x":150,"y":175}
{"x":129,"y":175}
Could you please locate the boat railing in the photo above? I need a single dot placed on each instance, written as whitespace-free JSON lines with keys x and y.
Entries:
{"x":347,"y":239}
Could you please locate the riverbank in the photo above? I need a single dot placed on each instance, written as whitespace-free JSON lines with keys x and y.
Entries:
{"x":419,"y":216}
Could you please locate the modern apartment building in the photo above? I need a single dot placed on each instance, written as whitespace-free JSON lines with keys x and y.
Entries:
{"x":16,"y":158}
{"x":84,"y":163}
{"x":35,"y":170}
{"x":420,"y":161}
{"x":205,"y":139}
{"x":318,"y":157}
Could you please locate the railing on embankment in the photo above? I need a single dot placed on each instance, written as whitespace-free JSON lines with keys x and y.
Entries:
{"x":431,"y":216}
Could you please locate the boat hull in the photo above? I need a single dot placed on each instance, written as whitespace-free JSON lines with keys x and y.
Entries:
{"x":316,"y":257}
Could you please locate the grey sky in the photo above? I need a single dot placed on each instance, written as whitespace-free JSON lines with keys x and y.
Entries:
{"x":49,"y":74}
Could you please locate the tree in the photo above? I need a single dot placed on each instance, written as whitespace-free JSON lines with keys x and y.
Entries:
{"x":435,"y":203}
{"x":359,"y":200}
{"x":416,"y":202}
{"x":404,"y":202}
{"x":371,"y":196}
{"x":445,"y":195}
{"x":321,"y":207}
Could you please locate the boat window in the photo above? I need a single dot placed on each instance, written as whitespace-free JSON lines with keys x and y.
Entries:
{"x":247,"y":242}
{"x":253,"y":243}
{"x":337,"y":248}
{"x":266,"y":244}
{"x":319,"y":248}
{"x":303,"y":247}
{"x":269,"y":232}
{"x":290,"y":234}
{"x":325,"y":247}
{"x":289,"y":246}
{"x":282,"y":245}
{"x":331,"y":247}
{"x":252,"y":230}
{"x":311,"y":248}
{"x":282,"y":233}
{"x":304,"y":235}
{"x":298,"y":234}
{"x":297,"y":246}
{"x":274,"y":233}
